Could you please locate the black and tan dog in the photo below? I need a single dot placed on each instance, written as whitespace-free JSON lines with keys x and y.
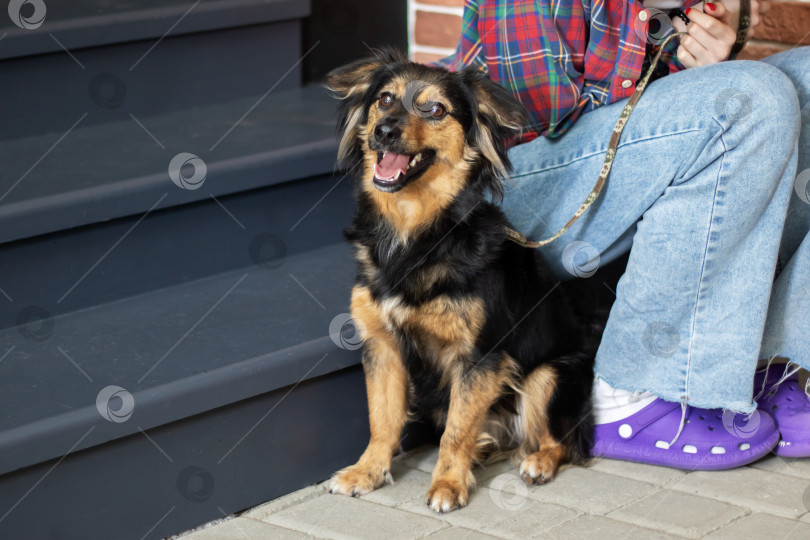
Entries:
{"x":460,"y":325}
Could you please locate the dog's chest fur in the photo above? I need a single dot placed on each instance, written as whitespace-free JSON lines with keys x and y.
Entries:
{"x":419,"y":300}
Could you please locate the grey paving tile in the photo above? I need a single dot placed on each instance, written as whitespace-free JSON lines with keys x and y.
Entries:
{"x":678,"y":513}
{"x":508,"y":513}
{"x":603,"y":528}
{"x":484,"y":473}
{"x":339,"y":516}
{"x":460,"y":533}
{"x":264,"y":510}
{"x":797,"y":468}
{"x":660,"y":476}
{"x":763,"y":527}
{"x":422,"y":458}
{"x":408,"y":484}
{"x":756,"y":489}
{"x":242,"y":528}
{"x":587,"y":490}
{"x":532,"y":521}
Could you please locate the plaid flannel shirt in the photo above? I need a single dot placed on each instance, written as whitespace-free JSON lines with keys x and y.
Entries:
{"x":561,"y":58}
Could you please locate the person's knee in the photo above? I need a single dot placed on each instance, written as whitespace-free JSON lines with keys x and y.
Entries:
{"x":795,"y":63}
{"x":760,"y":100}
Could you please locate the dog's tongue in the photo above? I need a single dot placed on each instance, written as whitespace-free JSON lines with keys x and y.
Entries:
{"x":388,"y":166}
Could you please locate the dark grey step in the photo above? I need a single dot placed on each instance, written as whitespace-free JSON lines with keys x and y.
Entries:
{"x":179,"y":351}
{"x":88,"y":23}
{"x":169,"y":479}
{"x":88,"y":174}
{"x":51,"y":91}
{"x":97,"y":264}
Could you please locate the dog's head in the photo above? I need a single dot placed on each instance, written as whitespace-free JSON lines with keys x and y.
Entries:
{"x":423,"y":131}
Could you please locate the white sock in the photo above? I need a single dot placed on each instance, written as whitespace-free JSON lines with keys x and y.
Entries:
{"x":614,"y":404}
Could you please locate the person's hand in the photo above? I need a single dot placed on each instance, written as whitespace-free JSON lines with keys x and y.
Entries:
{"x":710,"y":38}
{"x":758,"y":9}
{"x":712,"y":48}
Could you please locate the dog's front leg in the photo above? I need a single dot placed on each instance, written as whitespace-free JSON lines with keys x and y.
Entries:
{"x":387,"y":389}
{"x":471,"y":396}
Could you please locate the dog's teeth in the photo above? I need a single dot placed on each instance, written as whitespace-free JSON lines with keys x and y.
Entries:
{"x":412,"y":163}
{"x":418,"y":156}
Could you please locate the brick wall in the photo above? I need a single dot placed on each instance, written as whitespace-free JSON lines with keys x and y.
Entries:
{"x":434,"y":27}
{"x":786,"y":25}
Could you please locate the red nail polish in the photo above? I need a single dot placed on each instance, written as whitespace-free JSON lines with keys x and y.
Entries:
{"x":710,"y":6}
{"x":687,"y":11}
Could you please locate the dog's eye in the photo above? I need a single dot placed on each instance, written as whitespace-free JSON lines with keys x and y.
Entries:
{"x":438,"y":110}
{"x":386,"y":100}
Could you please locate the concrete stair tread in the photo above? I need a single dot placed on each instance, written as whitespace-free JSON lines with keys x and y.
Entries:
{"x":179,"y":351}
{"x":87,"y":23}
{"x":104,"y":171}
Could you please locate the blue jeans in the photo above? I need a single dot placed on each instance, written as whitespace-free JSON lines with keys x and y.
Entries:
{"x":710,"y":186}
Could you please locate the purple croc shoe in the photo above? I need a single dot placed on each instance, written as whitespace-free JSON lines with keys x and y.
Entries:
{"x":790,"y":408}
{"x":710,"y":439}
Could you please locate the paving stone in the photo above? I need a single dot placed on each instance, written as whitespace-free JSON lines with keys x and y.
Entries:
{"x":460,"y":533}
{"x":678,"y":513}
{"x":508,"y":513}
{"x":408,"y":484}
{"x":797,"y":468}
{"x":422,"y":458}
{"x":587,"y":490}
{"x":756,"y":489}
{"x":242,"y":528}
{"x":763,"y":527}
{"x":285,"y":501}
{"x":339,"y":516}
{"x":485,"y":473}
{"x":602,"y":527}
{"x":534,"y":520}
{"x":660,"y":476}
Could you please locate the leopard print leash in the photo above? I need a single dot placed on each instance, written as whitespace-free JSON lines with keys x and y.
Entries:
{"x":610,"y":155}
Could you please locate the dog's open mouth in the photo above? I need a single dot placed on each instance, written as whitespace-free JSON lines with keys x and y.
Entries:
{"x":394,"y":171}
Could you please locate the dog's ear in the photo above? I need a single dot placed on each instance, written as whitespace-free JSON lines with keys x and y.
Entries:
{"x":350,"y":84}
{"x":500,"y":120}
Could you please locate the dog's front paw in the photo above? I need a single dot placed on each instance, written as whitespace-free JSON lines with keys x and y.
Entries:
{"x":539,"y":468}
{"x":359,"y":480}
{"x":445,"y":496}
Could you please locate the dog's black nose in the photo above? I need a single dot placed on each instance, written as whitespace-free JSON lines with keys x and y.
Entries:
{"x":387,"y":132}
